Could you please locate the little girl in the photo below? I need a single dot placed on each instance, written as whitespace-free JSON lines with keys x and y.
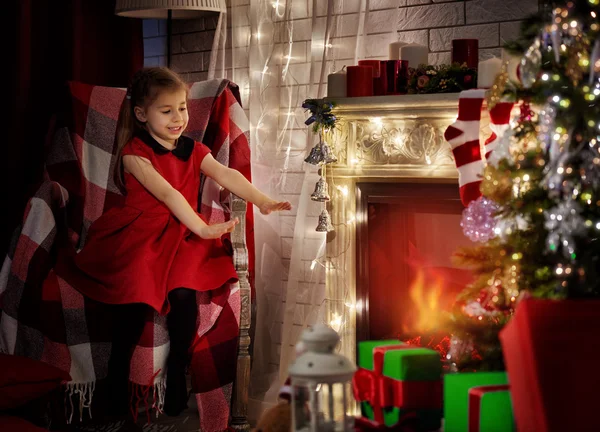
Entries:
{"x":157,"y":250}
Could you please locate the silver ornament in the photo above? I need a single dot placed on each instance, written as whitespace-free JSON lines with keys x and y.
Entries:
{"x":321,"y":191}
{"x":531,"y":64}
{"x":324,"y":224}
{"x":563,"y":223}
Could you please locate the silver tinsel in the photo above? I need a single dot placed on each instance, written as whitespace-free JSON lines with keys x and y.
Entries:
{"x":506,"y":226}
{"x":531,"y":64}
{"x":547,"y":117}
{"x":563,"y":222}
{"x":502,"y":150}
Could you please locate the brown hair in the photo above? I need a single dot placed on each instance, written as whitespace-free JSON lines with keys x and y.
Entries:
{"x":145,"y":87}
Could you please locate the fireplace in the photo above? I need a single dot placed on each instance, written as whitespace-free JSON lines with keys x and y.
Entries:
{"x":405,"y":276}
{"x":394,"y":199}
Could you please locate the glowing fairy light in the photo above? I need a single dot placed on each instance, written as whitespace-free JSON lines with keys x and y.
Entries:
{"x":313,"y":264}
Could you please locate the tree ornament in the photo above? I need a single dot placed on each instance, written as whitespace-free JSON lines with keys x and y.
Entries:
{"x":494,"y":94}
{"x":478,"y":220}
{"x":531,"y":64}
{"x":324,"y":224}
{"x":320,"y":154}
{"x":563,"y":222}
{"x":321,"y":191}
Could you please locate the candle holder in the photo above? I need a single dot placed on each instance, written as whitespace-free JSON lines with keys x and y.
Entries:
{"x":466,"y":51}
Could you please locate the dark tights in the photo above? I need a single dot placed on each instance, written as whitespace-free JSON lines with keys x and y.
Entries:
{"x":128,"y":327}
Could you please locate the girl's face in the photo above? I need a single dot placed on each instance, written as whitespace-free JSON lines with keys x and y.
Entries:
{"x":166,"y":118}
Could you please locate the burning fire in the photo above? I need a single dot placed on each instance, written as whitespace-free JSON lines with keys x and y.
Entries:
{"x":425,"y":292}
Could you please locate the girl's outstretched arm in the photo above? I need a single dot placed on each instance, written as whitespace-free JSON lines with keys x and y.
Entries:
{"x":235,"y":182}
{"x":146,"y":174}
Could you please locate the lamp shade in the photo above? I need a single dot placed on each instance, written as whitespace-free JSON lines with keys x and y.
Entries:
{"x":159,"y":9}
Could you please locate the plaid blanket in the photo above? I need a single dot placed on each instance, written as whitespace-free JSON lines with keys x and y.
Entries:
{"x":43,"y":317}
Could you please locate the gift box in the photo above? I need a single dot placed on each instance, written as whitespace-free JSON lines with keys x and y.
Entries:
{"x":490,"y":409}
{"x":396,"y":382}
{"x":551,"y":353}
{"x":456,"y":396}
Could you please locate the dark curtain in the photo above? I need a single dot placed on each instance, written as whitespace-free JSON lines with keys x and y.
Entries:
{"x":55,"y":41}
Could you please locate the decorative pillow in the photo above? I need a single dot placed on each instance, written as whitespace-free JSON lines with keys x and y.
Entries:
{"x":23,"y":380}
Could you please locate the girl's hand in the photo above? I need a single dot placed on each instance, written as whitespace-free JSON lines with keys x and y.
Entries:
{"x":271,"y":205}
{"x":217,"y":230}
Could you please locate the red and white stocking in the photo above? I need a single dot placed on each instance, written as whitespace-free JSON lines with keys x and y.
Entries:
{"x":499,"y":124}
{"x":463,"y":137}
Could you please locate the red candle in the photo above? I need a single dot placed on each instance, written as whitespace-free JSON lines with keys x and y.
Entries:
{"x":379,"y":82}
{"x":466,"y":51}
{"x":375,"y":64}
{"x":397,"y":76}
{"x":359,"y":81}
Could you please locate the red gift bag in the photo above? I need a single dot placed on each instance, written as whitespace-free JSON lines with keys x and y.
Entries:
{"x":552,"y":356}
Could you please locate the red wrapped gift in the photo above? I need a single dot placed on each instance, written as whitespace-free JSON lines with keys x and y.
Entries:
{"x":551,"y":352}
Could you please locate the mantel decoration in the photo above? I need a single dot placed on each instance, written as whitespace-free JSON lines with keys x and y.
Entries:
{"x":441,"y":79}
{"x":323,"y":121}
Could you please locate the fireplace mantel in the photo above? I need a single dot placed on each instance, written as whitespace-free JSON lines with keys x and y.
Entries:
{"x":384,"y":139}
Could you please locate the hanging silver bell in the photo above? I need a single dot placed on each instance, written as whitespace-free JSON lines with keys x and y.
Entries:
{"x":328,"y":156}
{"x":321,"y":191}
{"x":324,"y":224}
{"x":315,"y":157}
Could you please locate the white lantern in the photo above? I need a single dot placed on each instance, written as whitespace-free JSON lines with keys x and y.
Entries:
{"x":320,"y":382}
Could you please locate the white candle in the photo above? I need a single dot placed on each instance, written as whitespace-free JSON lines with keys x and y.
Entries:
{"x":415,"y":54}
{"x":395,"y":49}
{"x":487,"y":71}
{"x":336,"y":84}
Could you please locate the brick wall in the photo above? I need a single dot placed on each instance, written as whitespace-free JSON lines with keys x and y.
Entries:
{"x":433,"y":23}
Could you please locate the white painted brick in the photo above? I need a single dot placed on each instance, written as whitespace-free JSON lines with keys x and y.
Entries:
{"x":418,"y":2}
{"x":286,"y":247}
{"x":240,"y":37}
{"x":195,"y":77}
{"x":387,"y":4}
{"x":293,"y":183}
{"x":240,"y":16}
{"x":300,"y":9}
{"x":296,"y":161}
{"x":238,"y":57}
{"x":155,"y":46}
{"x":314,"y":208}
{"x":311,"y":292}
{"x":343,"y":48}
{"x":479,"y":11}
{"x":440,"y":58}
{"x":162,"y":27}
{"x":488,"y":53}
{"x":151,"y":61}
{"x":210,"y":23}
{"x":348,"y":6}
{"x":292,"y":96}
{"x":150,"y":28}
{"x":441,"y":39}
{"x":382,"y":21}
{"x":300,"y":73}
{"x":198,"y":41}
{"x":286,"y":269}
{"x":442,"y":15}
{"x":287,"y":225}
{"x":187,"y":26}
{"x":187,"y":62}
{"x":292,"y":199}
{"x":175,"y":44}
{"x":298,"y":52}
{"x":509,"y":31}
{"x":415,"y":36}
{"x":296,"y":140}
{"x":377,"y":45}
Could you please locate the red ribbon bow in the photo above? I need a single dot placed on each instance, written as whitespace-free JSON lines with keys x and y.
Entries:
{"x":381,"y":391}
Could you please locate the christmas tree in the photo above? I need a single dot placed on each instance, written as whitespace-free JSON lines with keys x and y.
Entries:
{"x":540,"y":210}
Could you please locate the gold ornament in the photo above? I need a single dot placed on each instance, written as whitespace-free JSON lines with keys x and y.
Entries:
{"x":494,"y":94}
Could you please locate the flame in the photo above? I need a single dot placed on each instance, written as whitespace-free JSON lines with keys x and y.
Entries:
{"x":426,"y":301}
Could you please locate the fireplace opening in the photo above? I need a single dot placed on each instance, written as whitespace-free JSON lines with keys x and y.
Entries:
{"x":406,"y":235}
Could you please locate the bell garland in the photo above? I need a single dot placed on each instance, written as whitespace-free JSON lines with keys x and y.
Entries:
{"x":322,"y":119}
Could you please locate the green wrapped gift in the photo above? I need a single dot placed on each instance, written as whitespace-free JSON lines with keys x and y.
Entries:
{"x":490,"y":409}
{"x":397,"y":382}
{"x":456,"y":396}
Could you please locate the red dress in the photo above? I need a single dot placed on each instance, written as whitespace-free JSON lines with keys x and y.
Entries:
{"x":139,"y":252}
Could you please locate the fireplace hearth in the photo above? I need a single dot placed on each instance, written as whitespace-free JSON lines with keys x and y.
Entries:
{"x":397,"y":203}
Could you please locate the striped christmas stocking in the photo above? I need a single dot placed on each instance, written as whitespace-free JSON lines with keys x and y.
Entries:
{"x":463,"y":137}
{"x":499,"y":124}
